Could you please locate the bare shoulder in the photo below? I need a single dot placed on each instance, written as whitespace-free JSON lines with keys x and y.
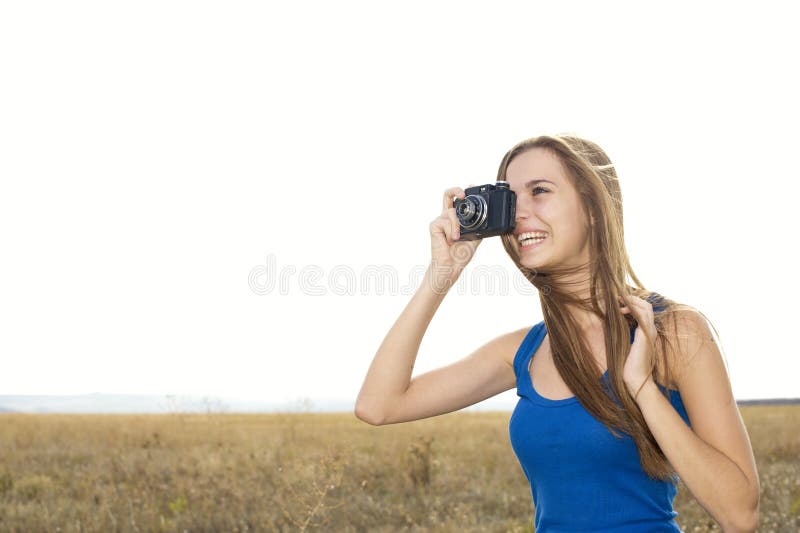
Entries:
{"x":687,"y":331}
{"x":507,"y":344}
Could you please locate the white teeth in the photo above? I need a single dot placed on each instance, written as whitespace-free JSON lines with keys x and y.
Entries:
{"x":533,"y":236}
{"x":526,"y":242}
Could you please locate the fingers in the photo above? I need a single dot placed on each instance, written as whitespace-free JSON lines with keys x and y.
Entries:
{"x":449,"y":211}
{"x":454,"y":223}
{"x":637,"y":303}
{"x":439,"y":226}
{"x":443,"y":225}
{"x":638,"y":307}
{"x":633,"y":305}
{"x":448,"y":197}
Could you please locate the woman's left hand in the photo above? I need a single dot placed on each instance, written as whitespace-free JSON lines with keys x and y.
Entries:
{"x":637,"y":366}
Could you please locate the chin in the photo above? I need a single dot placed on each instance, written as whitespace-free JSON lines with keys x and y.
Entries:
{"x":532,"y":260}
{"x":532,"y":264}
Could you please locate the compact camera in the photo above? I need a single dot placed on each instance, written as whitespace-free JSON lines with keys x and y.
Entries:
{"x":486,"y":211}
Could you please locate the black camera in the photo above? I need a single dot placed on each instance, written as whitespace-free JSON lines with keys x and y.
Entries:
{"x":486,"y":211}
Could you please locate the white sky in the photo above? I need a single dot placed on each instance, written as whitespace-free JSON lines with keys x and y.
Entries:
{"x":153,"y":154}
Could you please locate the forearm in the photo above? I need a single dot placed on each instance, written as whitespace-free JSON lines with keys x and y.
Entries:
{"x":717,"y":483}
{"x":389,"y":375}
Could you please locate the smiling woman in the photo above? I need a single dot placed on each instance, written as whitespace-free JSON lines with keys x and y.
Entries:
{"x":621,"y":390}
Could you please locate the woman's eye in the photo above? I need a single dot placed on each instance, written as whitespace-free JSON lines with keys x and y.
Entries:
{"x":539,"y":189}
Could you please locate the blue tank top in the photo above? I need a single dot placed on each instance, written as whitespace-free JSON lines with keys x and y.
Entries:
{"x":582,"y":477}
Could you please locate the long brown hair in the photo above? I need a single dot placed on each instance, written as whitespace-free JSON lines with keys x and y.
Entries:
{"x":594,"y":177}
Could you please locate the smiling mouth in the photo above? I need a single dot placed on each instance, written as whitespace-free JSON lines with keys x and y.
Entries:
{"x":527,"y":240}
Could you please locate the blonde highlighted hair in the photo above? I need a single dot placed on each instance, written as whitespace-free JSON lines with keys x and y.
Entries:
{"x":610,"y":276}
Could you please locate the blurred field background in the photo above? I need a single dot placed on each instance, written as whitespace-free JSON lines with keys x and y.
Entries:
{"x":307,"y":471}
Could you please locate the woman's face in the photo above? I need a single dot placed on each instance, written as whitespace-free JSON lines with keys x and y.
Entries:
{"x":552,"y":206}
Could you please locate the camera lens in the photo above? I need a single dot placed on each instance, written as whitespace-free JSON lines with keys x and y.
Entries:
{"x":472,"y":211}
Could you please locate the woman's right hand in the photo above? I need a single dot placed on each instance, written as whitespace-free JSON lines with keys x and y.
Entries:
{"x":448,"y":255}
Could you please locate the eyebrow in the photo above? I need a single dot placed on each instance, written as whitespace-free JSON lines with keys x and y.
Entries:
{"x":533,"y":182}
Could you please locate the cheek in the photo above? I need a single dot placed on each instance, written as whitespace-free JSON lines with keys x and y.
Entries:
{"x":524,"y":203}
{"x":567,"y":226}
{"x":553,"y":217}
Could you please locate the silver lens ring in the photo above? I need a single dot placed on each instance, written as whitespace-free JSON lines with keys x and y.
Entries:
{"x":482,"y":210}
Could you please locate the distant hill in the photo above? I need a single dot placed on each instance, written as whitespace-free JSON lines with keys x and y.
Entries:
{"x":133,"y":403}
{"x":137,"y":403}
{"x":770,"y":401}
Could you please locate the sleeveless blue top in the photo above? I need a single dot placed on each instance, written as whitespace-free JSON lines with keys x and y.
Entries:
{"x":582,"y":477}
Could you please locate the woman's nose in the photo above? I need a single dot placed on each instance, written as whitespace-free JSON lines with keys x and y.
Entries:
{"x":520,"y":212}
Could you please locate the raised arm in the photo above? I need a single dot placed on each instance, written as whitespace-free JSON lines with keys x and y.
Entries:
{"x":388,"y":394}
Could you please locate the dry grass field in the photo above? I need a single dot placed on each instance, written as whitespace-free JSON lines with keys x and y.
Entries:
{"x":322,"y":472}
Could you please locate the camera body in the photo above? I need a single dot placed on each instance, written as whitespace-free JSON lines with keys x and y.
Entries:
{"x":486,"y":211}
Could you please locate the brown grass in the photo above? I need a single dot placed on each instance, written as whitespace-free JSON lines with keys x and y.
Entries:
{"x":296,"y":472}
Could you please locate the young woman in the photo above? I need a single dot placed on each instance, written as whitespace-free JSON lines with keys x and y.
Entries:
{"x":621,"y":391}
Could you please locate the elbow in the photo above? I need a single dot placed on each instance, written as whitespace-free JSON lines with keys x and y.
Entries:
{"x":746,"y":520}
{"x":750,"y":520}
{"x":365,"y":415}
{"x":747,"y":523}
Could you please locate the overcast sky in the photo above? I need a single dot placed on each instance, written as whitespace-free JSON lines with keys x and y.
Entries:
{"x":165,"y":165}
